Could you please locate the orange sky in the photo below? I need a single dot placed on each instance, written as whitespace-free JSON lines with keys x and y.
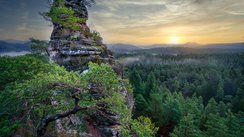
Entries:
{"x":169,"y":21}
{"x":136,"y":21}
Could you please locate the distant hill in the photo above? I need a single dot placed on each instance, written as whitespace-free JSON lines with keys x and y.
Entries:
{"x":189,"y":50}
{"x":122,"y":47}
{"x":225,"y":46}
{"x":179,"y":49}
{"x":14,"y":47}
{"x":197,"y":45}
{"x":15,"y":41}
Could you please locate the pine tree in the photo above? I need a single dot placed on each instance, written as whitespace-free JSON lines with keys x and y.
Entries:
{"x":136,"y":81}
{"x":233,"y":123}
{"x":222,"y":109}
{"x":141,"y":105}
{"x":187,"y":128}
{"x":216,"y":126}
{"x":220,"y":91}
{"x":155,"y":105}
{"x":211,"y":107}
{"x":151,"y":85}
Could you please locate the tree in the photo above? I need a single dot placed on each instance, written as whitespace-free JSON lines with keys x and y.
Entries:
{"x":39,"y":46}
{"x":136,"y":82}
{"x":220,"y":91}
{"x":238,"y":101}
{"x":19,"y":69}
{"x":155,"y":106}
{"x":234,"y":125}
{"x":32,"y":99}
{"x":211,"y":107}
{"x":222,"y":109}
{"x":141,"y":106}
{"x":143,"y":127}
{"x":216,"y":126}
{"x":187,"y":128}
{"x":151,"y":85}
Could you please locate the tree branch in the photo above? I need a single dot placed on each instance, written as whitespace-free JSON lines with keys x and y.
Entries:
{"x":46,"y":120}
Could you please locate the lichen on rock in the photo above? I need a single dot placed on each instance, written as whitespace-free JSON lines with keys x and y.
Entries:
{"x":72,"y":43}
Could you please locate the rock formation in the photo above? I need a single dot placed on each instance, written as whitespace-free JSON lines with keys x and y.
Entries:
{"x":73,"y":47}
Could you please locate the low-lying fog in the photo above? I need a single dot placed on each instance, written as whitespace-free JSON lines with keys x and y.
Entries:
{"x":13,"y":54}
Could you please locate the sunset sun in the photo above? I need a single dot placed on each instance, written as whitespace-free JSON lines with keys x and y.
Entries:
{"x":174,"y":40}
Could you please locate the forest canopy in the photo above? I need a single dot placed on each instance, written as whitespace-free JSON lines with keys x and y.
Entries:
{"x":190,"y":95}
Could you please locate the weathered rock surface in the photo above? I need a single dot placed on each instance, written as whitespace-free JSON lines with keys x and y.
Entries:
{"x":73,"y":49}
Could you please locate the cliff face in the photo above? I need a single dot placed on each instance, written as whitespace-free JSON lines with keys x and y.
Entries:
{"x":75,"y":45}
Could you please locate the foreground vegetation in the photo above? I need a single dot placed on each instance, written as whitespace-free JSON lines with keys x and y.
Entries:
{"x":34,"y":93}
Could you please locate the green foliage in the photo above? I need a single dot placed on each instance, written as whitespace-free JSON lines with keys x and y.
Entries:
{"x":151,"y":86}
{"x":28,"y":91}
{"x":128,"y":85}
{"x":211,"y":107}
{"x":216,"y":126}
{"x":136,"y":82}
{"x":141,"y":105}
{"x":220,"y":91}
{"x":189,"y":99}
{"x":47,"y":89}
{"x":143,"y":127}
{"x":179,"y":74}
{"x":238,"y":101}
{"x":19,"y":69}
{"x":187,"y":128}
{"x":102,"y":76}
{"x":94,"y":35}
{"x":7,"y":126}
{"x":38,"y":46}
{"x":64,"y":16}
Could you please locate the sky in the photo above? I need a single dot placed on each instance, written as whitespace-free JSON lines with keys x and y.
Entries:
{"x":136,"y":21}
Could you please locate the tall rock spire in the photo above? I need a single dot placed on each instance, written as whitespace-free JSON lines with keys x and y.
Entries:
{"x":72,"y":43}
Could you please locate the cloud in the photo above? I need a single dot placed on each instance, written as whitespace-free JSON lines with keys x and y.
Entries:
{"x":22,"y":4}
{"x":137,"y":21}
{"x":22,"y":27}
{"x":25,"y":15}
{"x":119,"y":19}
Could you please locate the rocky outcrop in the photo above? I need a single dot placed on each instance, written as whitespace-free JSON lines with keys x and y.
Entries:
{"x":74,"y":48}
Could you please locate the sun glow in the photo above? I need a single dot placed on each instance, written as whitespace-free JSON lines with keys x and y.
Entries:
{"x":174,"y":40}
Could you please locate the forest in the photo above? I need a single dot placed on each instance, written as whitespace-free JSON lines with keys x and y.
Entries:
{"x":190,"y":95}
{"x":73,"y":85}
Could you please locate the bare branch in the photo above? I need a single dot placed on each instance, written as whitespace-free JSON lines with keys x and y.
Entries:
{"x":46,"y":120}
